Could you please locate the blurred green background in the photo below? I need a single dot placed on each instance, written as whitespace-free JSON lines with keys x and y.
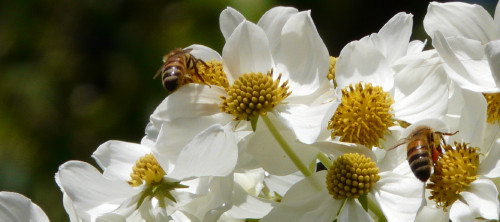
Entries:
{"x":74,"y":74}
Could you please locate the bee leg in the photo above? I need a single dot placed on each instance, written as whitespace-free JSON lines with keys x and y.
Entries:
{"x":197,"y":73}
{"x":195,"y":66}
{"x":446,"y":134}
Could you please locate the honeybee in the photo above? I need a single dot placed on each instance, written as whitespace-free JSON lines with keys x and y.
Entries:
{"x":423,"y":149}
{"x":176,"y":67}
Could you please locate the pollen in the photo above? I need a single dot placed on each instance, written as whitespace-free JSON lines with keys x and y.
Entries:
{"x":493,"y":107}
{"x":146,"y":169}
{"x":351,"y":175}
{"x":211,"y":72}
{"x":331,"y":70}
{"x":453,"y":173}
{"x":364,"y":115}
{"x":254,"y":94}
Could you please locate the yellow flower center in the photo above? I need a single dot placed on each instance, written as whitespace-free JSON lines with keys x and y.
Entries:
{"x":331,"y":70}
{"x":254,"y":94}
{"x":493,"y":107}
{"x":212,"y":73}
{"x":453,"y":172}
{"x":351,"y":175}
{"x":148,"y":170}
{"x":364,"y":115}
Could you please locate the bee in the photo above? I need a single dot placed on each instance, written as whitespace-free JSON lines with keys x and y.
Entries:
{"x":423,"y":149}
{"x":177,"y":65}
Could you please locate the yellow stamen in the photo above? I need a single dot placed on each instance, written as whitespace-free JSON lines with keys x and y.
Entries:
{"x":453,"y":173}
{"x":364,"y":115}
{"x":254,"y":94}
{"x":331,"y":70}
{"x":351,"y":175}
{"x":146,"y":169}
{"x":211,"y":72}
{"x":493,"y":107}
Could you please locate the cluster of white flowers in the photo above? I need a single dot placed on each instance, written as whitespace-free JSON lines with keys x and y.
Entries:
{"x":279,"y":130}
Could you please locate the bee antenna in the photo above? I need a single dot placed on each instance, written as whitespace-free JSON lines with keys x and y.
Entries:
{"x":394,"y":147}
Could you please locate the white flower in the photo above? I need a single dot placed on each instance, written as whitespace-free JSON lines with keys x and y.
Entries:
{"x":468,"y":40}
{"x":395,"y":80}
{"x":249,"y":200}
{"x":476,"y":194}
{"x":135,"y":187}
{"x":398,"y":196}
{"x":285,"y":43}
{"x":16,"y":207}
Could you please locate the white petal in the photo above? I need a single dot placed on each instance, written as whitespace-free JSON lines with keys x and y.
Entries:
{"x":211,"y":153}
{"x":460,"y":211}
{"x":175,"y":135}
{"x":429,"y":100}
{"x":87,"y":188}
{"x":460,"y":19}
{"x":394,"y":36}
{"x":492,"y":51}
{"x":307,"y":188}
{"x":247,"y":206}
{"x":281,"y":184}
{"x":399,"y":197}
{"x":432,"y":214}
{"x":117,"y":158}
{"x":247,"y":50}
{"x":270,"y":155}
{"x":272,"y":23}
{"x":204,"y":53}
{"x":412,"y":70}
{"x":416,"y":46}
{"x":482,"y":199}
{"x":472,"y":124}
{"x":210,"y":206}
{"x":69,"y":206}
{"x":252,"y":181}
{"x":362,"y":62}
{"x":304,"y":202}
{"x":303,"y":57}
{"x":353,"y":211}
{"x":490,"y":167}
{"x":336,"y":148}
{"x":229,"y":19}
{"x":394,"y":160}
{"x":305,"y":121}
{"x":466,"y":63}
{"x":497,"y":16}
{"x":190,"y":101}
{"x":16,"y":207}
{"x":151,"y":132}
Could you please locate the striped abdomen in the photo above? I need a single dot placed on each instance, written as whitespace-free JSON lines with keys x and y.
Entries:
{"x":419,"y":159}
{"x":173,"y":73}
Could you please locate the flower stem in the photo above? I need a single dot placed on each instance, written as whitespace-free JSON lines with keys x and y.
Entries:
{"x":341,"y":207}
{"x":376,"y":210}
{"x":324,"y":160}
{"x":284,"y":145}
{"x":363,"y":200}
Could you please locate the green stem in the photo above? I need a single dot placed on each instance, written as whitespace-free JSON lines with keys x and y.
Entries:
{"x":341,"y":207}
{"x":325,"y":160}
{"x":284,"y":145}
{"x":376,"y":210}
{"x":363,"y":200}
